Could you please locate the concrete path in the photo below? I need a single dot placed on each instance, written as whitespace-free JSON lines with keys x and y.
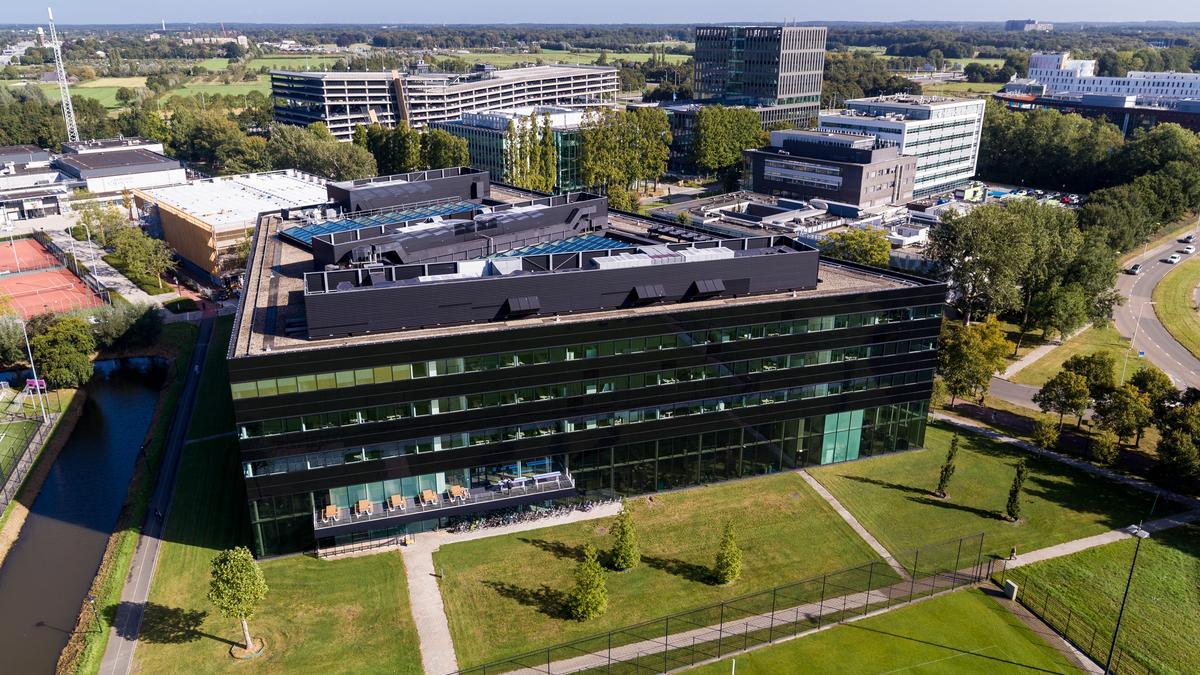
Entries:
{"x":92,"y":256}
{"x":1036,"y":353}
{"x":123,"y":636}
{"x":1077,"y":545}
{"x":853,"y":523}
{"x":433,"y":631}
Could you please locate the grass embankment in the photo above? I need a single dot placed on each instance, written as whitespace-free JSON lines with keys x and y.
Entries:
{"x":149,"y":284}
{"x":503,"y":595}
{"x":965,"y":632}
{"x":1162,"y":617}
{"x":86,"y":648}
{"x":336,"y":616}
{"x":892,"y":497}
{"x":1090,"y":341}
{"x":1176,"y":308}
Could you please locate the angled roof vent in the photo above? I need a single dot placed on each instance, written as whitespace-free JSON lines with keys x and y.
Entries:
{"x":705,"y":288}
{"x":521,"y":306}
{"x":647,"y":294}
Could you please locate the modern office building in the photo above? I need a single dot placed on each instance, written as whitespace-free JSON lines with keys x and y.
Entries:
{"x":1027,"y":26}
{"x":1060,"y":74}
{"x":777,"y":69}
{"x":205,"y":220}
{"x":96,"y":145}
{"x":848,"y":168}
{"x":343,"y":101}
{"x":117,"y":170}
{"x":1123,"y":111}
{"x":941,"y":132}
{"x":392,"y":378}
{"x":490,"y":141}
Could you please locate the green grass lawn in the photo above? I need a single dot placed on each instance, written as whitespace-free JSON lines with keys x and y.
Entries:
{"x":213,"y":65}
{"x":1162,"y":617}
{"x":1090,"y":341}
{"x":262,"y":84}
{"x":1030,"y":340}
{"x":103,"y":89}
{"x":503,"y":594}
{"x":961,"y":88}
{"x":14,"y":437}
{"x":1176,"y":308}
{"x":149,"y":284}
{"x":891,"y":497}
{"x":502,"y":60}
{"x":963,"y":632}
{"x":299,"y":62}
{"x":335,"y":616}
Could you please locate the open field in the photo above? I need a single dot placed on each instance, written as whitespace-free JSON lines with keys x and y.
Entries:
{"x":102,"y":82}
{"x":214,"y":65}
{"x":13,"y":440}
{"x":501,"y":60}
{"x":963,"y":632}
{"x":1162,"y":617}
{"x":299,"y":62}
{"x":892,"y":497}
{"x":1090,"y":341}
{"x":503,"y":594}
{"x":975,"y":89}
{"x":262,"y":84}
{"x":1176,"y":308}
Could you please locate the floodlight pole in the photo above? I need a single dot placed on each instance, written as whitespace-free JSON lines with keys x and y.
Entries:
{"x":36,"y":382}
{"x":1133,"y":340}
{"x":1139,"y":534}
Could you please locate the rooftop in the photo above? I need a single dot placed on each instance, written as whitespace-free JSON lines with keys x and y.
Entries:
{"x":107,"y":143}
{"x":136,"y":158}
{"x":490,"y":76}
{"x":235,"y":202}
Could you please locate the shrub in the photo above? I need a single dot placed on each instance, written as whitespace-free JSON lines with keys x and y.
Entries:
{"x":624,"y":554}
{"x":1105,"y":447}
{"x":589,"y":599}
{"x":1045,"y":434}
{"x":728,"y":566}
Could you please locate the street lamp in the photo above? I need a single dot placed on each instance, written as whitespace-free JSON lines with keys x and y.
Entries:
{"x":1133,"y":340}
{"x":32,"y":366}
{"x":1140,"y":534}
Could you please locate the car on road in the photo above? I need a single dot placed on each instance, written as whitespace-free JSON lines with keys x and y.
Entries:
{"x":1136,"y":269}
{"x":1174,"y":258}
{"x":1189,"y":249}
{"x":1190,"y":239}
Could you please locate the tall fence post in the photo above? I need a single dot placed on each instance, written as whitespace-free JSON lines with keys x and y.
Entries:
{"x":870,"y":578}
{"x":913,"y":585}
{"x":979,"y":558}
{"x":957,"y":560}
{"x":666,"y":642}
{"x":771,"y":625}
{"x":821,"y":607}
{"x":721,"y":631}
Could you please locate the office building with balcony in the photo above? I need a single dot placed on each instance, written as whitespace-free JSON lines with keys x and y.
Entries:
{"x":847,"y":168}
{"x":398,"y":369}
{"x":343,"y":101}
{"x":775,"y":69}
{"x":942,"y":132}
{"x":492,"y":135}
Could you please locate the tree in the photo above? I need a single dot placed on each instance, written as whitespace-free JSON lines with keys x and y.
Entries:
{"x":1178,"y":457}
{"x":441,"y":149}
{"x":865,"y":245}
{"x":63,"y":350}
{"x":236,"y":587}
{"x":722,"y":133}
{"x":947,"y":471}
{"x":158,"y":259}
{"x":101,"y":219}
{"x":589,"y":599}
{"x":728,"y":564}
{"x":1066,"y":392}
{"x":624,"y":554}
{"x":1105,"y":447}
{"x":1013,"y":508}
{"x":1098,"y":369}
{"x":1125,"y":411}
{"x":313,"y":150}
{"x":1045,"y":434}
{"x":1158,"y":388}
{"x":968,"y":356}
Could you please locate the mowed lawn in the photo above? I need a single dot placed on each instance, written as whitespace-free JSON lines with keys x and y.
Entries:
{"x":262,"y":84}
{"x":892,"y":497}
{"x":963,"y":632}
{"x":1090,"y":341}
{"x":335,"y":616}
{"x":14,"y":438}
{"x":504,"y":60}
{"x":503,"y":594}
{"x":1176,"y":308}
{"x":301,"y":62}
{"x":1162,"y":618}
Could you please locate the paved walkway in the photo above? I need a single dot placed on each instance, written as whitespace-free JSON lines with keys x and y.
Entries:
{"x":853,"y":523}
{"x":433,"y":631}
{"x":1036,"y":353}
{"x":1077,"y":545}
{"x":123,"y":636}
{"x":92,"y":256}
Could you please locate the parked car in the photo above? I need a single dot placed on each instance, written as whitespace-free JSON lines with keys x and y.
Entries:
{"x":1136,"y":269}
{"x":1190,"y":239}
{"x":1189,"y":249}
{"x":1174,"y":258}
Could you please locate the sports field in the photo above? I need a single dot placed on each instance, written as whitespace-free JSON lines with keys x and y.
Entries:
{"x":963,"y":632}
{"x":49,"y":288}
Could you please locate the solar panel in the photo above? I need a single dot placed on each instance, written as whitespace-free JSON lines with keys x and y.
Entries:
{"x":586,"y":242}
{"x":303,"y":234}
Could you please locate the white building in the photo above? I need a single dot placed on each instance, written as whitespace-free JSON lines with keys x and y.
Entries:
{"x":941,"y":132}
{"x":1060,"y":74}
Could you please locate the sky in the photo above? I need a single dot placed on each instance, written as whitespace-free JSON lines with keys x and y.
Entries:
{"x":605,"y":11}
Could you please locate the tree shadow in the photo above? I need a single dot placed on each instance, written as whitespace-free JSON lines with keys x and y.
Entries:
{"x":686,"y":570}
{"x":548,"y":601}
{"x":947,"y":504}
{"x":891,"y":486}
{"x":556,"y":548}
{"x":161,"y":624}
{"x":977,"y":653}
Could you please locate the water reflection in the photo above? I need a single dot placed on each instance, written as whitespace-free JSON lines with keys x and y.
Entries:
{"x":48,"y":571}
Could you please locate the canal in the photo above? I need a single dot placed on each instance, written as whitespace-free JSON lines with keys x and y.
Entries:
{"x":47,"y":573}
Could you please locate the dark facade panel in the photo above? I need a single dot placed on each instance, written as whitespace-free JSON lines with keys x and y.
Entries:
{"x":382,"y":192}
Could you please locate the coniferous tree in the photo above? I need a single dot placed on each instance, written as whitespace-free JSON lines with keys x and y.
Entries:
{"x":589,"y":599}
{"x":947,"y":467}
{"x":624,"y":554}
{"x":728,"y":566}
{"x":1013,"y":509}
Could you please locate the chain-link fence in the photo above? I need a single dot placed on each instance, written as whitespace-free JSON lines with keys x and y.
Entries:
{"x":712,"y":632}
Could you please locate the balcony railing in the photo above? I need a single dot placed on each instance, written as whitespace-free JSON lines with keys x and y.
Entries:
{"x":480,"y":498}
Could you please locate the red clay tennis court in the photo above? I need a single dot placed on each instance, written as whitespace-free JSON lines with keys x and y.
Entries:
{"x":30,"y":254}
{"x":56,"y":290}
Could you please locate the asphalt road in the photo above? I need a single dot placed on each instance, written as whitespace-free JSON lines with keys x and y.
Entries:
{"x":1152,"y":337}
{"x":118,"y":657}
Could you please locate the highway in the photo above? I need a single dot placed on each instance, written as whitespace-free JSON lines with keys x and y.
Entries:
{"x":1152,"y":337}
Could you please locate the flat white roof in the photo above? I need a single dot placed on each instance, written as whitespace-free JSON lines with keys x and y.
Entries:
{"x":234,"y":202}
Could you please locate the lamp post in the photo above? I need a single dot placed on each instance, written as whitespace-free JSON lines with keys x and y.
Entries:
{"x":32,"y":366}
{"x":1133,"y":341}
{"x":1140,"y":534}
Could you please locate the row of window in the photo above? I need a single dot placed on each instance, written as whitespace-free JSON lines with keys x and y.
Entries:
{"x":452,"y":441}
{"x":492,"y":399}
{"x":278,"y":386}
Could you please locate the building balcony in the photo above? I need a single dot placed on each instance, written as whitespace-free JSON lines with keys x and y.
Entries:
{"x":374,"y":515}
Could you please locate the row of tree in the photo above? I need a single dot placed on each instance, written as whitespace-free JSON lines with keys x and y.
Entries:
{"x":531,"y":155}
{"x":619,"y":148}
{"x":1012,"y":508}
{"x":404,"y":149}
